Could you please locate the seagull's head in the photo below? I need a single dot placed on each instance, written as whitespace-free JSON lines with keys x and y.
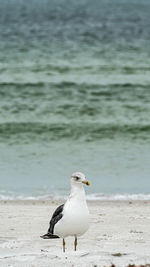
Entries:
{"x":79,"y":178}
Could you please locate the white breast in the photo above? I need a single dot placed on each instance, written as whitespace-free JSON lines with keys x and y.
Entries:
{"x":75,"y":220}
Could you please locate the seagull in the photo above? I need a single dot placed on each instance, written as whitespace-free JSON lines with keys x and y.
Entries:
{"x":71,"y":218}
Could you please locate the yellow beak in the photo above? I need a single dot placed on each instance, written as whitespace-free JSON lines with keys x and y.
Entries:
{"x":86,"y":182}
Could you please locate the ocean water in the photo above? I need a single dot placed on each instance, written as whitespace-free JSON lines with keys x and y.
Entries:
{"x":74,"y":96}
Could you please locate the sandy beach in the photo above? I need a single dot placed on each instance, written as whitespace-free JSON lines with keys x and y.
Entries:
{"x":119,"y":233}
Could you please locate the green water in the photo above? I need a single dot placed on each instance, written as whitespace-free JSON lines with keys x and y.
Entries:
{"x":74,"y":96}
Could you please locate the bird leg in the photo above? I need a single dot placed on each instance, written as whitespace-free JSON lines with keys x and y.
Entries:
{"x":75,"y":243}
{"x":64,"y":245}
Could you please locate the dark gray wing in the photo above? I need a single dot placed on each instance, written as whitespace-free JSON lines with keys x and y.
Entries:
{"x":57,"y":215}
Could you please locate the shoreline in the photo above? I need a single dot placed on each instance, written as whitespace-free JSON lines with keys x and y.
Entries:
{"x":119,"y":234}
{"x":89,"y":197}
{"x":57,"y":201}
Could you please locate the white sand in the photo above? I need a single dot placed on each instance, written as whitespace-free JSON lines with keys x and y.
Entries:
{"x":116,"y":227}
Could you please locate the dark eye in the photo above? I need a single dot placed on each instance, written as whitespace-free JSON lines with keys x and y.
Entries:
{"x":77,"y":178}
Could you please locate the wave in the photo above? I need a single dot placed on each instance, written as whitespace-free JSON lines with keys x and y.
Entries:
{"x":118,"y":197}
{"x":69,"y":84}
{"x":93,"y":69}
{"x":73,"y":92}
{"x":90,"y":197}
{"x":74,"y":131}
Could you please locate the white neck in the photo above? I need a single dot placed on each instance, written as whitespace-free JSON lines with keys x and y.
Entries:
{"x":77,"y":191}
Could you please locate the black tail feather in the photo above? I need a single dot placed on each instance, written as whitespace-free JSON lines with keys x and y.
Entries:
{"x":49,"y":236}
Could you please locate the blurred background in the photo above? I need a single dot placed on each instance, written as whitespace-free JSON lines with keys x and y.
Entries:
{"x":74,"y":96}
